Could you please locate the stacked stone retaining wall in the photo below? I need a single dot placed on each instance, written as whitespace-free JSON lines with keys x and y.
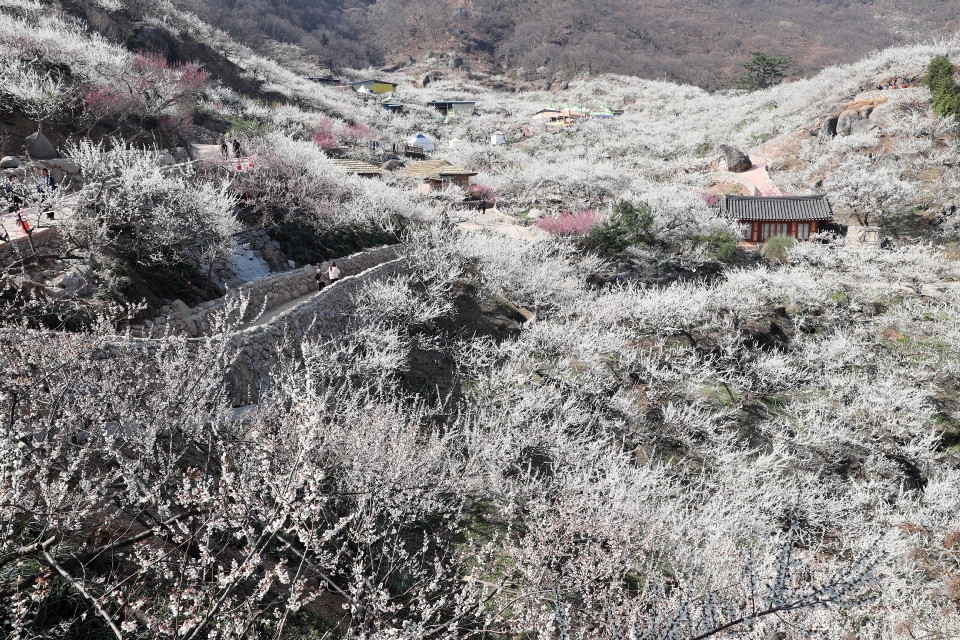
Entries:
{"x":321,"y":316}
{"x":261,"y":296}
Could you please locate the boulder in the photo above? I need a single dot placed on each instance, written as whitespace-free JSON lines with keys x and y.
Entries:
{"x":66,"y":165}
{"x":564,"y":86}
{"x":77,"y":281}
{"x":167,"y":159}
{"x":39,"y":147}
{"x":392,"y":165}
{"x":845,"y":122}
{"x":429,"y":77}
{"x":829,"y":128}
{"x":737,"y":161}
{"x":9,"y":162}
{"x":457,"y":62}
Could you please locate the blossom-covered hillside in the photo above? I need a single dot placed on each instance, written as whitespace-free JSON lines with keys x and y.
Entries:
{"x":566,"y":401}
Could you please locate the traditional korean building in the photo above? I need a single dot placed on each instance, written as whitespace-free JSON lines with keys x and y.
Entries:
{"x":761,"y":218}
{"x":437,"y":173}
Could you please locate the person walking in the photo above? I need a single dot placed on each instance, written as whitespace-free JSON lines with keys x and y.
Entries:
{"x":333,"y":273}
{"x":46,"y":183}
{"x":321,"y":277}
{"x":224,"y":149}
{"x":237,"y":150}
{"x":13,"y":191}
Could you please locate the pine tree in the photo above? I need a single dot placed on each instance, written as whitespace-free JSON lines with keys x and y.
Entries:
{"x":762,"y":71}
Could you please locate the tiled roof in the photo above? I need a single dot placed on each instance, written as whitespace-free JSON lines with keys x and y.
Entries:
{"x":360,"y":168}
{"x":776,"y":208}
{"x":434,"y":170}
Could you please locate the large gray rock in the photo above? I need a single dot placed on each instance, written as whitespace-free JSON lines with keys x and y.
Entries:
{"x":429,"y":77}
{"x":392,"y":165}
{"x":737,"y":161}
{"x":77,"y":281}
{"x":66,"y":165}
{"x":9,"y":162}
{"x":179,"y":309}
{"x":829,"y":128}
{"x":39,"y":147}
{"x":846,"y":121}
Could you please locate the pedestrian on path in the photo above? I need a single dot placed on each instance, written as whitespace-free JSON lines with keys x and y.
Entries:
{"x":333,"y":273}
{"x":224,"y":149}
{"x":46,"y":183}
{"x":321,"y":277}
{"x":13,"y":191}
{"x":237,"y":150}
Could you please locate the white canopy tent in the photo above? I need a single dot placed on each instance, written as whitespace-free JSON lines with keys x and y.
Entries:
{"x":422,"y":141}
{"x":498,"y":138}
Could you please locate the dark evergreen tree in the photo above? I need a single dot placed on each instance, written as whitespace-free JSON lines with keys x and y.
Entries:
{"x":762,"y":71}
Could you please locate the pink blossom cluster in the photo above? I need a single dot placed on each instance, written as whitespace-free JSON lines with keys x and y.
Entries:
{"x":578,"y":223}
{"x":482,"y":192}
{"x":330,"y":132}
{"x":324,"y":137}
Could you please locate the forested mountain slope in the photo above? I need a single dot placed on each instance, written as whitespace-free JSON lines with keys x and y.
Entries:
{"x":692,"y":41}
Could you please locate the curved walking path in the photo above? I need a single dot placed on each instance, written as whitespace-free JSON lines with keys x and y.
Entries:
{"x":276,"y":312}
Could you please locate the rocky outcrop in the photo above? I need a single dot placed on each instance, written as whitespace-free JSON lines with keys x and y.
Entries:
{"x":39,"y":147}
{"x":855,"y":121}
{"x":737,"y":161}
{"x":429,"y":77}
{"x":9,"y":162}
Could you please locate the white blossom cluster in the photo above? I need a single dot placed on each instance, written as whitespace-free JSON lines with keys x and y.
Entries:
{"x":766,"y":453}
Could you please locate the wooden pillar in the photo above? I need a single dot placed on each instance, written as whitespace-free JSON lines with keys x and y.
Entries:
{"x":813,"y":227}
{"x":793,"y":230}
{"x":755,"y":234}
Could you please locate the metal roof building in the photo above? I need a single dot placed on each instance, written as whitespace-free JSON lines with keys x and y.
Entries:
{"x":777,"y":208}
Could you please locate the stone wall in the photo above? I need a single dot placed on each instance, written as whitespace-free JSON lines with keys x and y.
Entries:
{"x":262,"y":296}
{"x":320,"y":316}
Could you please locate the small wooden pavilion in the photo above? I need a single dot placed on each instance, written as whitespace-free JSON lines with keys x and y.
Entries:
{"x":761,"y":218}
{"x":437,"y":173}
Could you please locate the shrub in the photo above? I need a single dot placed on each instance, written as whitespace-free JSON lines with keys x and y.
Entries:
{"x":629,"y":225}
{"x":324,"y":137}
{"x":721,"y":244}
{"x":481,"y":192}
{"x":776,"y":248}
{"x":579,"y":223}
{"x":946,"y":92}
{"x":356,"y":131}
